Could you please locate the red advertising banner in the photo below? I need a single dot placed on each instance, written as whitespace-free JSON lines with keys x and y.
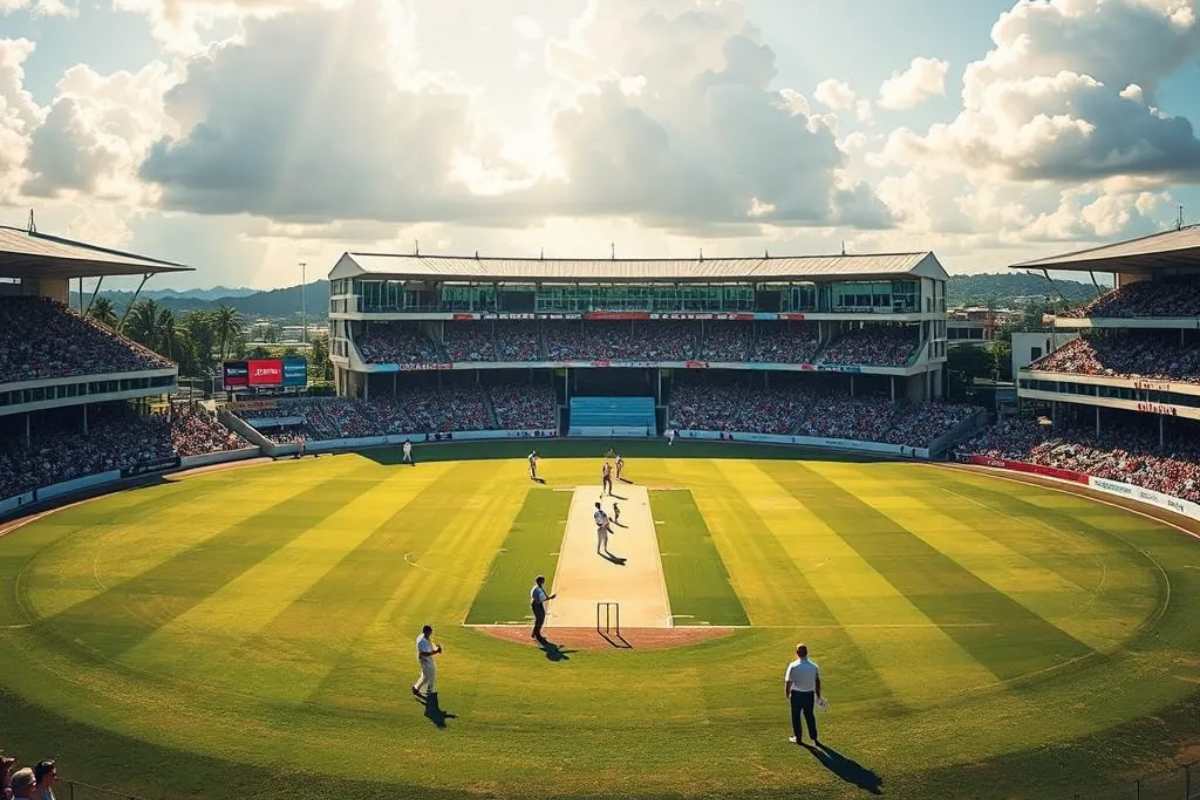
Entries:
{"x":696,"y":364}
{"x":1033,"y":469}
{"x":617,"y":315}
{"x":265,"y":371}
{"x":794,"y":315}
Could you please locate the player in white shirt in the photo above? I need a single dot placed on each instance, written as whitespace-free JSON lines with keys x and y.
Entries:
{"x":802,"y":683}
{"x":537,"y":601}
{"x":408,"y":459}
{"x":602,"y":531}
{"x":606,"y":479}
{"x":426,"y":650}
{"x":533,"y":459}
{"x":670,"y":436}
{"x":620,"y":467}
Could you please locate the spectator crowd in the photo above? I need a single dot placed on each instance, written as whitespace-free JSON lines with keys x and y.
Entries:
{"x":635,"y":340}
{"x":1156,"y":298}
{"x":873,"y":346}
{"x":37,"y":782}
{"x":790,"y":410}
{"x":418,"y":410}
{"x":1121,"y":453}
{"x":40,"y":338}
{"x":117,"y":438}
{"x":1154,"y":355}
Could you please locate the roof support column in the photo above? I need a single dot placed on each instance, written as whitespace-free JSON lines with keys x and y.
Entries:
{"x":1097,"y":422}
{"x":28,"y":430}
{"x":85,"y":419}
{"x":1160,"y":431}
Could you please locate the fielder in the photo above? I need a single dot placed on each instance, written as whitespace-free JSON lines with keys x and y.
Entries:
{"x":670,"y":436}
{"x":603,"y":529}
{"x":533,"y":459}
{"x":407,"y":459}
{"x":606,"y":479}
{"x":620,"y":467}
{"x":426,"y":650}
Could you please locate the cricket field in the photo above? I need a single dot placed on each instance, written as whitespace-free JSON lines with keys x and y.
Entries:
{"x":250,"y":632}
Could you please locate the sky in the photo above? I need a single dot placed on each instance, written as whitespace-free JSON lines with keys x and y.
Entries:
{"x":243,"y":137}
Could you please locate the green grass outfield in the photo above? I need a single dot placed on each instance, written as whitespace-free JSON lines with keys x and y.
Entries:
{"x":249,"y":632}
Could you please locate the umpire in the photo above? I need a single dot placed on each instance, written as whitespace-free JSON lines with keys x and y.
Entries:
{"x":537,"y":601}
{"x":802,"y":682}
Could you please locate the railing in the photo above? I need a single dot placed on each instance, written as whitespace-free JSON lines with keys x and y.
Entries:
{"x":1179,"y":783}
{"x":78,"y":790}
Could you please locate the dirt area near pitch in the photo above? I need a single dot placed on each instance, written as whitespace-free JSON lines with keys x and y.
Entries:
{"x":568,"y":639}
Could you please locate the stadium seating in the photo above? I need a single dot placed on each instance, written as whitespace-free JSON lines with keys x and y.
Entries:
{"x":1125,"y":454}
{"x":1158,"y":298}
{"x":785,"y":343}
{"x":791,"y":410}
{"x":600,"y":413}
{"x":117,"y":439}
{"x":469,"y":341}
{"x":1142,"y":354}
{"x":397,"y":343}
{"x":40,"y":339}
{"x":875,"y":346}
{"x":726,"y":341}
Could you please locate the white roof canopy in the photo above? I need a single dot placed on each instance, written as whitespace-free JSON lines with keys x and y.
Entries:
{"x":623,"y":270}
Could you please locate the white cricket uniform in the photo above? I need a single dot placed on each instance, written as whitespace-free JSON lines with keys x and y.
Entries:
{"x":803,"y":674}
{"x":428,"y":677}
{"x":620,"y":466}
{"x":408,"y":451}
{"x":532,"y":465}
{"x":601,"y":527}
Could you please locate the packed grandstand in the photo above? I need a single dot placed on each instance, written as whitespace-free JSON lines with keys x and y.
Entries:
{"x":844,"y":376}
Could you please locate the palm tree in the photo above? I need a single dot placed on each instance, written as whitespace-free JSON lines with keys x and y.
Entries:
{"x":228,"y":324}
{"x":142,"y":323}
{"x":102,"y":311}
{"x":169,"y":339}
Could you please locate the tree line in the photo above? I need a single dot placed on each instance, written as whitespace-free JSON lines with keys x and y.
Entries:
{"x":198,"y":341}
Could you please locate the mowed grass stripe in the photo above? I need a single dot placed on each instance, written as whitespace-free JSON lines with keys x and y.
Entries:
{"x":882,"y":621}
{"x":161,"y":594}
{"x":954,"y":527}
{"x":251,"y":600}
{"x":773,"y":590}
{"x":1017,"y":641}
{"x":437,"y":581}
{"x":530,"y":548}
{"x":697,"y":581}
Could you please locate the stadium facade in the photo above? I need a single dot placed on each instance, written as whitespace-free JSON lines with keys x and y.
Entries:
{"x":41,"y":267}
{"x":1130,"y":350}
{"x":627,"y":326}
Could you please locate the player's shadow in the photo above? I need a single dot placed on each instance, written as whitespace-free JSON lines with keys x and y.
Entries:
{"x":847,"y":769}
{"x":553,"y":651}
{"x":612,"y":496}
{"x":620,"y":562}
{"x":619,"y":524}
{"x":435,"y":713}
{"x":625,"y":480}
{"x":539,"y":480}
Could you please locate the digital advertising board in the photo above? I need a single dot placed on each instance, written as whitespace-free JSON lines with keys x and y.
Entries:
{"x":236,"y":375}
{"x":295,"y":371}
{"x":265,"y":371}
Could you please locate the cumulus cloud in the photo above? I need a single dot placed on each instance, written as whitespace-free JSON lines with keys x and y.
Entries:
{"x":19,"y":114}
{"x":98,"y":131}
{"x":924,"y":78}
{"x":647,"y":124}
{"x":49,"y":8}
{"x":1063,"y":95}
{"x":188,"y":26}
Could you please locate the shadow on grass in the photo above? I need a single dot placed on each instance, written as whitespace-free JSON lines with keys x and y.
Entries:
{"x":847,"y":769}
{"x":553,"y":651}
{"x":434,"y":711}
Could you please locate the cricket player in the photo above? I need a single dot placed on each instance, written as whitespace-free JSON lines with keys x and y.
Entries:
{"x":606,"y":479}
{"x":802,"y":684}
{"x":426,"y":650}
{"x":616,"y":513}
{"x":670,"y":436}
{"x":533,"y":459}
{"x":537,"y":601}
{"x":407,"y":459}
{"x":602,"y":531}
{"x":620,"y":467}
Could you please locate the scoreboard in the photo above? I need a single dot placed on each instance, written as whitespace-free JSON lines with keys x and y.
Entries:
{"x":266,"y":373}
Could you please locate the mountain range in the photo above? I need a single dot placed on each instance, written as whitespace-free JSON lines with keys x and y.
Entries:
{"x":1003,"y":290}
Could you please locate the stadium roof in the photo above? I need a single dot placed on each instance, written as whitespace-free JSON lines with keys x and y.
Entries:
{"x":467,"y":268}
{"x":25,"y":254}
{"x":1174,"y":248}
